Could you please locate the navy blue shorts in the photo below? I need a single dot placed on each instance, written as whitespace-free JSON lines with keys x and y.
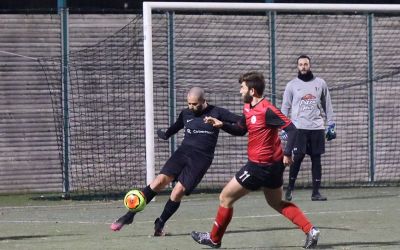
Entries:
{"x":188,"y":167}
{"x":311,"y":142}
{"x":253,"y":176}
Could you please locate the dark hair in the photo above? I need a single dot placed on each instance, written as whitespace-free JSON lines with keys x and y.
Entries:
{"x":303,"y":56}
{"x":254,"y":80}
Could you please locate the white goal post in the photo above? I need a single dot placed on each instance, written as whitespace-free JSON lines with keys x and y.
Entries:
{"x":148,"y":7}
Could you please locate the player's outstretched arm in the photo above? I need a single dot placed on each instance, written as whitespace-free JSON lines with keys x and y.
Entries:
{"x":178,"y":125}
{"x":228,"y":116}
{"x":161,"y":134}
{"x":231,"y":128}
{"x":238,"y":128}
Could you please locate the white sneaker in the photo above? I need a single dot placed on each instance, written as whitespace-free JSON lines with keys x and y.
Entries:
{"x":312,"y":238}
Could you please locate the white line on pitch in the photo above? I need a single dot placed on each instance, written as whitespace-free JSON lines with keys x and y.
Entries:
{"x":199,"y":219}
{"x":51,"y":222}
{"x":62,"y":206}
{"x":310,"y":213}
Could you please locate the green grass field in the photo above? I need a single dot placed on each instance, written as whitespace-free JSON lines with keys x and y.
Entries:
{"x":350,"y":219}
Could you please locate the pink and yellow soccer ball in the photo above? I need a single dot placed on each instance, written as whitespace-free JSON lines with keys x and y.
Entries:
{"x":135,"y":201}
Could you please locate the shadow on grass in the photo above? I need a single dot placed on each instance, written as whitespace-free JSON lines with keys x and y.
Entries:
{"x":365,"y":197}
{"x":376,"y":244}
{"x":23,"y":237}
{"x":102,"y":196}
{"x":249,"y":230}
{"x":79,"y":197}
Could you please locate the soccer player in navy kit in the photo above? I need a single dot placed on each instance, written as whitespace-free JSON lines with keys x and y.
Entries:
{"x":265,"y":166}
{"x":189,"y":162}
{"x":303,"y":101}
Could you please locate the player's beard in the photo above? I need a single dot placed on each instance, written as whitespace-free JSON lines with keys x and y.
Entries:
{"x":307,"y":76}
{"x":198,"y":111}
{"x":247,"y":98}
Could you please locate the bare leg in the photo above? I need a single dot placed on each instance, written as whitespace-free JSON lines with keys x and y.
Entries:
{"x":159,"y":183}
{"x":232,"y":192}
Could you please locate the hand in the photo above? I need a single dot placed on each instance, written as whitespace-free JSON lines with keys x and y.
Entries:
{"x":213,"y":121}
{"x":287,"y":160}
{"x":284,"y":135}
{"x":161,"y":134}
{"x":330,"y":132}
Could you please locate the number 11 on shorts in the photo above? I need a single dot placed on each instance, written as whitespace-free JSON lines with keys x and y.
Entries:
{"x":244,"y":176}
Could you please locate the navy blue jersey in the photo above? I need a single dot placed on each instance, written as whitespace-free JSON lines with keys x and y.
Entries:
{"x":199,"y":135}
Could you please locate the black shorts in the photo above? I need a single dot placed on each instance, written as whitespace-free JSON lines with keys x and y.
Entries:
{"x":188,"y":167}
{"x":311,"y":142}
{"x":253,"y":176}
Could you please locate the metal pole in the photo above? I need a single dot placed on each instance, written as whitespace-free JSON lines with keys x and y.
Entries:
{"x":287,"y":7}
{"x":371,"y":99}
{"x":61,"y":4}
{"x":63,"y":11}
{"x":171,"y":76}
{"x":272,"y":52}
{"x":148,"y":90}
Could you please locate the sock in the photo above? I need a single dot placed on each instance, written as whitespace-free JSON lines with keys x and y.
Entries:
{"x":316,"y":172}
{"x":148,"y":193}
{"x":296,"y":216}
{"x":130,"y":214}
{"x":291,"y":183}
{"x":224,"y":216}
{"x":294,"y":170}
{"x":316,"y":185}
{"x":169,"y":209}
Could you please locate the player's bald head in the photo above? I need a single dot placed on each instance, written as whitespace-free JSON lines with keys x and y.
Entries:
{"x":196,"y":101}
{"x":196,"y":93}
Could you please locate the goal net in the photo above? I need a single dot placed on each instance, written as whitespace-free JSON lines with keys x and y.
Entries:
{"x":352,"y":47}
{"x":115,"y":101}
{"x":106,"y":112}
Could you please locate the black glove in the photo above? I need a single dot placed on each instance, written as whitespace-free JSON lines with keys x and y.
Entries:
{"x":161,"y":134}
{"x":330,"y":132}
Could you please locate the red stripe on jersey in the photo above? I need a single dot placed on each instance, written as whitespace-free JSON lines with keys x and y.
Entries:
{"x":264,"y":144}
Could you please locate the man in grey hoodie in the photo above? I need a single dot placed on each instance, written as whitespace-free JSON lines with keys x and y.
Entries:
{"x":303,"y":101}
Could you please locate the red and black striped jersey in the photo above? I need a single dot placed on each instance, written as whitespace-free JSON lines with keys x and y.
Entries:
{"x":263,"y":122}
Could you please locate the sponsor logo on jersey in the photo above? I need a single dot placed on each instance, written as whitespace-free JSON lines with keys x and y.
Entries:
{"x":189,"y":120}
{"x":196,"y":131}
{"x":308,"y":102}
{"x":308,"y":97}
{"x":253,"y":119}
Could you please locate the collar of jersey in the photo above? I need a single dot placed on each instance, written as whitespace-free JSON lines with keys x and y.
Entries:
{"x":256,"y":103}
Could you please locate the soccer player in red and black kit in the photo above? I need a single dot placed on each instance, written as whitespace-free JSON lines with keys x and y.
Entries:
{"x":265,"y":166}
{"x":189,"y":162}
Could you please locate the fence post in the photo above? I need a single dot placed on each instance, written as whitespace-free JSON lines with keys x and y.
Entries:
{"x":63,"y":11}
{"x":171,"y":76}
{"x":272,"y":52}
{"x":371,"y":99}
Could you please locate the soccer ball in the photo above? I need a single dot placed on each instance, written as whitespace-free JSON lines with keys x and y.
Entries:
{"x":135,"y":201}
